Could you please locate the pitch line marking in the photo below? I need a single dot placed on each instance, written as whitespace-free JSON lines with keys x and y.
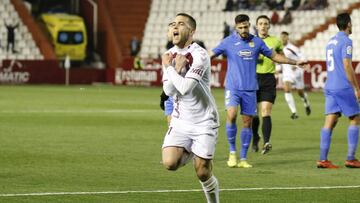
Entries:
{"x":85,"y":111}
{"x":173,"y":191}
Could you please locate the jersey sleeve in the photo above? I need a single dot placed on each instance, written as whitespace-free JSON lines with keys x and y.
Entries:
{"x":264,"y":49}
{"x":220,"y":49}
{"x":197,"y":69}
{"x":168,"y":86}
{"x":346,"y":50}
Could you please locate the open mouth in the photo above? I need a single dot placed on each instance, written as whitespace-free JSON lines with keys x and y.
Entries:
{"x":175,"y":33}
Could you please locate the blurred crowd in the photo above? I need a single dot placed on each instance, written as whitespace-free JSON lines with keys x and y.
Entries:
{"x":234,"y":5}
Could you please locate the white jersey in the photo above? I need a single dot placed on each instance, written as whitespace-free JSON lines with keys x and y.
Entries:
{"x":292,"y":73}
{"x":195,"y":110}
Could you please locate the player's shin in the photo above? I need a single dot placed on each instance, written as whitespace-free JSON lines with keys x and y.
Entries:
{"x":353,"y":138}
{"x":305,"y":100}
{"x":231,"y":131}
{"x":325,"y":140}
{"x":245,"y":137}
{"x":290,"y":101}
{"x":266,"y":128}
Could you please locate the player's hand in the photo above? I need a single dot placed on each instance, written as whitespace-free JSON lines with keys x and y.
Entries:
{"x":163,"y":98}
{"x":166,"y":59}
{"x":180,"y":61}
{"x":302,"y":63}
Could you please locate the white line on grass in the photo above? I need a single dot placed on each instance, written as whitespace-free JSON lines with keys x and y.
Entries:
{"x":174,"y":191}
{"x":84,"y":111}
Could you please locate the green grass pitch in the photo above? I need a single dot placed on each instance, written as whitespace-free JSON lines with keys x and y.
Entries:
{"x":100,"y":138}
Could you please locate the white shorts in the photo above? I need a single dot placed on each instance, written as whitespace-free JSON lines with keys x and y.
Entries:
{"x":201,"y":144}
{"x":295,"y":77}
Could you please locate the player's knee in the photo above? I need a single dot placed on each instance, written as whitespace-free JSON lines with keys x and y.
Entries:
{"x":231,"y":118}
{"x":170,"y":165}
{"x":247,"y":123}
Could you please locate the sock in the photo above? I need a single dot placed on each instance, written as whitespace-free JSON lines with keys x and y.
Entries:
{"x":325,"y":140}
{"x":245,"y":137}
{"x":255,"y":129}
{"x":211,"y":189}
{"x":353,"y":138}
{"x":231,"y":131}
{"x":291,"y":103}
{"x":305,"y":100}
{"x":266,"y":128}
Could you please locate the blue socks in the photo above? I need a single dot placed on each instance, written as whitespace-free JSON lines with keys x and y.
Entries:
{"x":353,"y":138}
{"x":325,"y":140}
{"x":245,"y":137}
{"x":231,"y":131}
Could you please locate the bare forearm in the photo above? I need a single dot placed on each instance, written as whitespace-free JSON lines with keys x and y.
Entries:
{"x":279,"y":58}
{"x":350,"y":74}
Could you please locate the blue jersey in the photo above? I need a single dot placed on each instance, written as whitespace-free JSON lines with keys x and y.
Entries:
{"x":242,"y":55}
{"x":338,"y":48}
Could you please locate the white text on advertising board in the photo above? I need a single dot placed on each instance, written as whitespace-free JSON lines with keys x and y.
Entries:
{"x":135,"y":76}
{"x":8,"y":75}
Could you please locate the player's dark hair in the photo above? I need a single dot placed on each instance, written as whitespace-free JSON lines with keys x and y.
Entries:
{"x":241,"y":18}
{"x":192,"y":20}
{"x":262,"y":16}
{"x":284,"y":33}
{"x":342,"y":21}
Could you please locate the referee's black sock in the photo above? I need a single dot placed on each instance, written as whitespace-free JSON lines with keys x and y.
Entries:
{"x":266,"y":128}
{"x":255,"y":129}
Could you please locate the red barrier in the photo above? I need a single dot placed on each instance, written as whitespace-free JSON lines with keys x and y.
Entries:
{"x":46,"y":72}
{"x":150,"y":75}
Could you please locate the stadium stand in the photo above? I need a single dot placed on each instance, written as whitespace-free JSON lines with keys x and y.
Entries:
{"x":25,"y":45}
{"x":305,"y":26}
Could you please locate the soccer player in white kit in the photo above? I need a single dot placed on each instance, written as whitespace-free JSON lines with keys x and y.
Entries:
{"x":193,"y":130}
{"x":293,"y":76}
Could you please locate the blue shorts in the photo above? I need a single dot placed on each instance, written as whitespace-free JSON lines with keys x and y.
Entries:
{"x":246,"y":100}
{"x":341,"y":101}
{"x":169,"y":106}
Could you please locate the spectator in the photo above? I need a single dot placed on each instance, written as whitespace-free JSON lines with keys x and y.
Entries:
{"x":295,"y":4}
{"x":229,"y":5}
{"x":242,"y":4}
{"x":226,"y":30}
{"x":274,"y":17}
{"x":11,"y":36}
{"x":309,"y":5}
{"x":134,"y":46}
{"x":287,"y":19}
{"x":321,"y":4}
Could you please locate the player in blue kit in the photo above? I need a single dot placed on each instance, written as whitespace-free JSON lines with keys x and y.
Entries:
{"x":341,"y":92}
{"x":242,"y":50}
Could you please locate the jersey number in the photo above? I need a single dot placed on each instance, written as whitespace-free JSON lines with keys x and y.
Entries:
{"x":330,"y":60}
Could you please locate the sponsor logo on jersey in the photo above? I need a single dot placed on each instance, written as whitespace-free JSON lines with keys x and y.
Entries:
{"x":245,"y":53}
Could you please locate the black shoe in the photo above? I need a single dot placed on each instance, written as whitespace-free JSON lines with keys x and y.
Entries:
{"x":308,"y":110}
{"x":267,"y":148}
{"x":294,"y":116}
{"x":255,"y":148}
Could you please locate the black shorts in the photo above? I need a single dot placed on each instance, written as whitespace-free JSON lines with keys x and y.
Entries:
{"x":267,"y":87}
